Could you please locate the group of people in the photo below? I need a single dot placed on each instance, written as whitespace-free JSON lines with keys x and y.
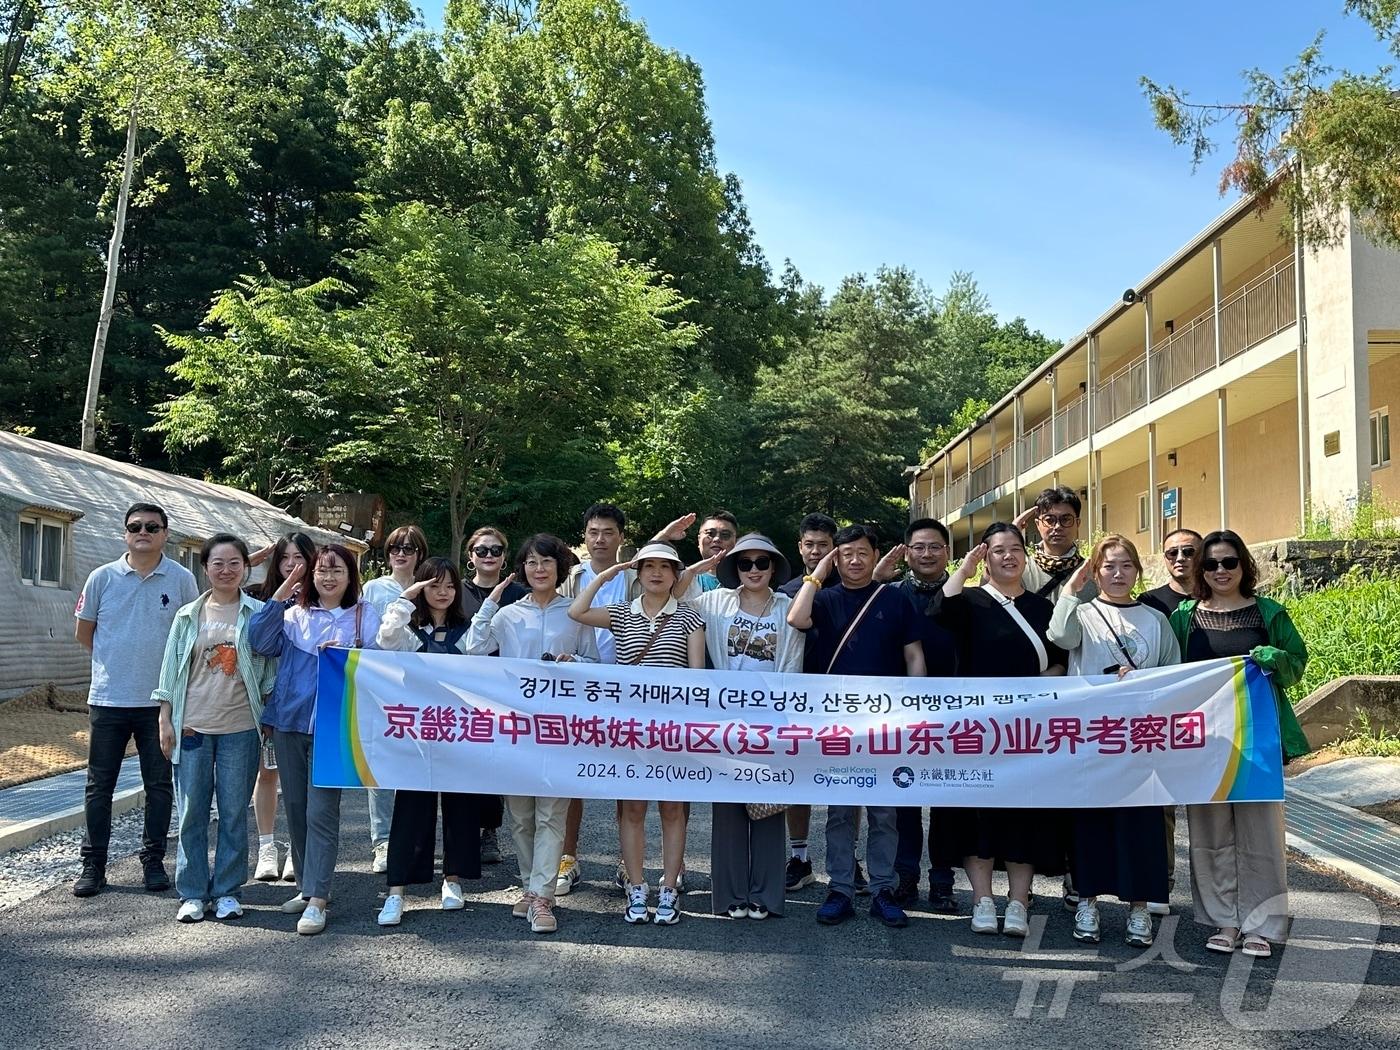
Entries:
{"x":220,"y":686}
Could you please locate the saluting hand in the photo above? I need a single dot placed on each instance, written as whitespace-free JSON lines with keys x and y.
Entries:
{"x":1081,"y":577}
{"x":973,"y":560}
{"x":498,"y":592}
{"x":1024,"y":518}
{"x":887,"y":566}
{"x":677,"y":529}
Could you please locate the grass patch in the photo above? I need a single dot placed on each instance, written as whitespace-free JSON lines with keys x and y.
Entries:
{"x":1363,"y":739}
{"x":1371,"y":518}
{"x":1349,"y":628}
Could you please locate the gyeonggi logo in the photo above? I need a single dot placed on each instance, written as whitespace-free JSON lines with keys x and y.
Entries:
{"x":846,"y":776}
{"x":903,"y":777}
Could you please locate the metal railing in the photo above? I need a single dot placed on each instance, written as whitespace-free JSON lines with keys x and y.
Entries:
{"x":1263,"y":307}
{"x":1121,"y":393}
{"x":1035,"y":445}
{"x":1186,"y":354}
{"x":1071,"y":423}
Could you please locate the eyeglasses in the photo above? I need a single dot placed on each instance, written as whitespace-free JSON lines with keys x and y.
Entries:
{"x":150,"y":527}
{"x":1064,"y":521}
{"x":1173,"y":553}
{"x":762,"y":563}
{"x":927,"y":548}
{"x":1229,"y":564}
{"x":402,"y":548}
{"x":330,"y":570}
{"x":718,"y":534}
{"x":539,"y":563}
{"x":483,"y":551}
{"x":220,"y":566}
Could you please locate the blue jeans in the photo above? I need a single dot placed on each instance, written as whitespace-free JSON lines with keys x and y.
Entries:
{"x":381,"y":814}
{"x":222,"y":766}
{"x":880,"y":841}
{"x":910,"y":822}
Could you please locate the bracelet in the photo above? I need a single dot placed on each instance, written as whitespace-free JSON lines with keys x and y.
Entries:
{"x":812,"y":580}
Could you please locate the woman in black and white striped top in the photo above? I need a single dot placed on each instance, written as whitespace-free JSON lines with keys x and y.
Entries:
{"x":653,"y":630}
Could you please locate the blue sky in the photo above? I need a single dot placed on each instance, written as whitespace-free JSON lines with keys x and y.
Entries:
{"x":1010,"y":140}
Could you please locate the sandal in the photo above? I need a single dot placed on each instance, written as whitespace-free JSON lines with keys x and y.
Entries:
{"x":1223,"y":944}
{"x":1257,"y":946}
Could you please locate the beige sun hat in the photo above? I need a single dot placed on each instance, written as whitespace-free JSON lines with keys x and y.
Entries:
{"x":657,"y":549}
{"x":753,"y":542}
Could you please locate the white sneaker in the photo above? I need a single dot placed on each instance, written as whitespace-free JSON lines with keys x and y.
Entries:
{"x":228,"y":908}
{"x":667,"y":911}
{"x":1159,"y":909}
{"x":568,"y":877}
{"x":312,"y":921}
{"x":620,"y":877}
{"x":269,"y":864}
{"x":289,"y":870}
{"x":191,"y":911}
{"x":1014,"y":923}
{"x":392,"y":912}
{"x":637,"y":904}
{"x":984,"y":916}
{"x":295,"y":906}
{"x":452,"y":896}
{"x":1086,"y":922}
{"x":380,"y":864}
{"x":1139,"y":928}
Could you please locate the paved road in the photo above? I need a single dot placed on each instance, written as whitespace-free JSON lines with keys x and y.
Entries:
{"x":118,"y":971}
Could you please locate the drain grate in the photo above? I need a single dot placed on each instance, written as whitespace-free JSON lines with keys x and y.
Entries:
{"x":1359,"y":838}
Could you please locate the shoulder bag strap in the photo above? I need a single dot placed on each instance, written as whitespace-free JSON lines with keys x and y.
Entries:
{"x":661,"y":622}
{"x":359,"y":609}
{"x":1020,"y":621}
{"x":854,"y":624}
{"x":1117,"y":641}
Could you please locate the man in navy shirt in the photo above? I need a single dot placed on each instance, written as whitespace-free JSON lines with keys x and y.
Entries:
{"x":863,"y":628}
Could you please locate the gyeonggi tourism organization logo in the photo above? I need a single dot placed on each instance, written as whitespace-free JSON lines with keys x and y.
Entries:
{"x":903,"y":777}
{"x":845,"y":776}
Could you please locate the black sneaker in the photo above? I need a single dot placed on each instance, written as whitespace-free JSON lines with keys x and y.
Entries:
{"x":157,"y":881}
{"x":884,"y":908}
{"x":92,"y":880}
{"x":490,"y":848}
{"x":799,"y":873}
{"x":862,"y":885}
{"x":941,"y":901}
{"x":907,"y":892}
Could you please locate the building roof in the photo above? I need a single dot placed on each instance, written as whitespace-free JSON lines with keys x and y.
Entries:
{"x":42,"y":475}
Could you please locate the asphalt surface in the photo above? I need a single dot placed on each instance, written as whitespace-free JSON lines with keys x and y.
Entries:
{"x":118,"y":971}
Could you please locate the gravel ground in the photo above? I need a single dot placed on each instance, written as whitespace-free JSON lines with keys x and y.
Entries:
{"x":26,"y":873}
{"x":117,"y":971}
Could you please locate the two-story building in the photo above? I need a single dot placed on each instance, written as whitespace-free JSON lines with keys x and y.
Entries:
{"x":1245,"y":383}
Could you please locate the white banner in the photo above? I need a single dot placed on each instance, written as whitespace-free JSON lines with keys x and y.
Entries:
{"x":1196,"y":733}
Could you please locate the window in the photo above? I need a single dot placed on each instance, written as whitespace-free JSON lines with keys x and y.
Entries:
{"x":189,"y":558}
{"x":1144,"y":521}
{"x":41,"y":550}
{"x":1380,"y":437}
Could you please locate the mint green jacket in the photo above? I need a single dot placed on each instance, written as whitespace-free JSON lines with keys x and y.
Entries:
{"x":1284,"y":659}
{"x":257,"y":672}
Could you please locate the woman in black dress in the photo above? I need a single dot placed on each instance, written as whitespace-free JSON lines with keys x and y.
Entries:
{"x":999,"y":630}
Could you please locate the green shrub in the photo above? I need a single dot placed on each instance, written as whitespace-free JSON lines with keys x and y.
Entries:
{"x":1352,"y":627}
{"x":1369,"y":518}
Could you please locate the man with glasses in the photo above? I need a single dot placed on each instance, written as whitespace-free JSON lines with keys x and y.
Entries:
{"x":1181,"y":551}
{"x":1056,"y":557}
{"x":925,"y":553}
{"x":123,"y":618}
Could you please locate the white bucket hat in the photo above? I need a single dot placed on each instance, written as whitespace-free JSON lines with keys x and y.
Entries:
{"x":657,"y":549}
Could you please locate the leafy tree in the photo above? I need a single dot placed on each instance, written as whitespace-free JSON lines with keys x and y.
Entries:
{"x":1325,"y":139}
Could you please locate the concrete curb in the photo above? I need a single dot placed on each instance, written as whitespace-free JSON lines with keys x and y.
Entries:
{"x":1350,"y":868}
{"x":28,"y":832}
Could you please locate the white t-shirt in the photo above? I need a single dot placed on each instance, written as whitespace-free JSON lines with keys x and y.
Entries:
{"x":614,"y":592}
{"x":753,"y":642}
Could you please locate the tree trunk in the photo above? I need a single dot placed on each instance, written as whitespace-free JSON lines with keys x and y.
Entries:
{"x":21,"y":25}
{"x":109,"y":289}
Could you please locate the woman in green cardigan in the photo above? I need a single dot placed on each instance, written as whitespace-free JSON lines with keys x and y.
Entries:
{"x":1239,"y":871}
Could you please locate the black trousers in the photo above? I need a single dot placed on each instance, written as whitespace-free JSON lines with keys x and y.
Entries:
{"x":491,"y":811}
{"x":413,"y":837}
{"x":111,"y":729}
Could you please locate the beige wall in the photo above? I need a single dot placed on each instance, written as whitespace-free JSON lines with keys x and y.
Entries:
{"x":1262,"y":460}
{"x":1385,"y":391}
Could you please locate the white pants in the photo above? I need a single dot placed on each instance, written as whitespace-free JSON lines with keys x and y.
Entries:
{"x":538,"y":830}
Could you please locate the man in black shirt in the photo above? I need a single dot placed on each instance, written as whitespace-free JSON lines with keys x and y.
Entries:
{"x":866,"y":629}
{"x":1181,"y":550}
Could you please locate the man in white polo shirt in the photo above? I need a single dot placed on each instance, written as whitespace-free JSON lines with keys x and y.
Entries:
{"x":124,"y":616}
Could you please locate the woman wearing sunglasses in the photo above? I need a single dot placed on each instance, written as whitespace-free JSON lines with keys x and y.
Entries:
{"x":406,"y":548}
{"x":487,"y":551}
{"x":1239,"y":872}
{"x":746,"y":629}
{"x":536,"y":628}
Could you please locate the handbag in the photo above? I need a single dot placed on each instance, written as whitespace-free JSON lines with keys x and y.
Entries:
{"x":764,"y":810}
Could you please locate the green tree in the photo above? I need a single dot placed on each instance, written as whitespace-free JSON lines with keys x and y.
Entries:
{"x":1323,"y":138}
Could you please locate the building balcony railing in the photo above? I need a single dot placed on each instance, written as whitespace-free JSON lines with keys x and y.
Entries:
{"x":1261,"y":309}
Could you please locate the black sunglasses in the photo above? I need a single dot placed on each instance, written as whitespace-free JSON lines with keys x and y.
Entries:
{"x":1172,"y":553}
{"x":1228,"y":564}
{"x":151,"y":527}
{"x":484,"y":551}
{"x":762,"y":563}
{"x":403,"y":548}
